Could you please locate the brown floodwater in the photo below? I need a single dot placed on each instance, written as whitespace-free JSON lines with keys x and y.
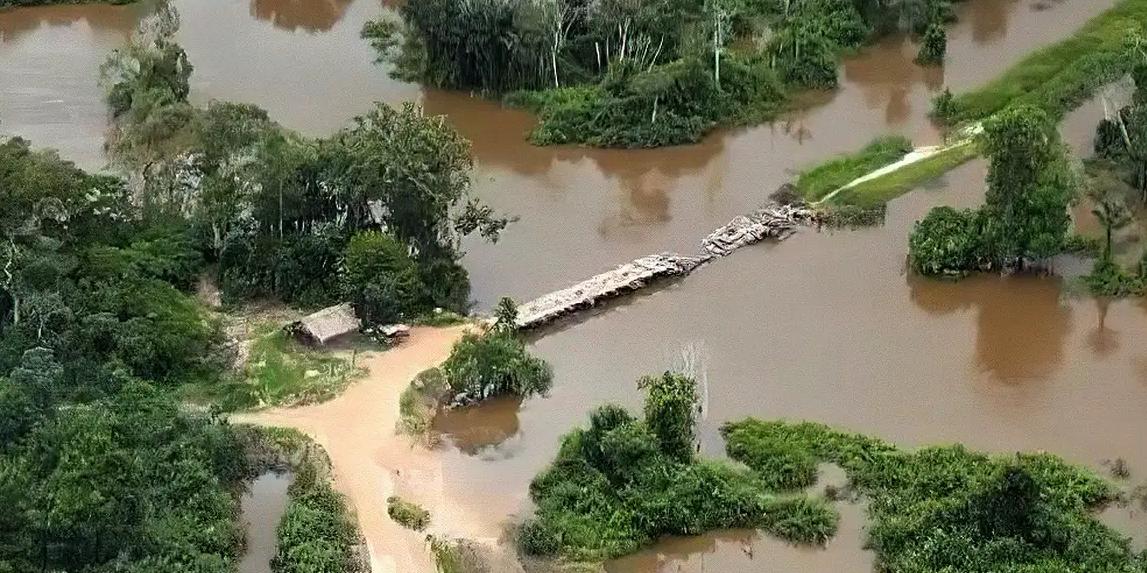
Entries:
{"x":826,"y":326}
{"x":262,"y":506}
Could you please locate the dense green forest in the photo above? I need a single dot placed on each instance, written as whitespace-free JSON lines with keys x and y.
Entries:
{"x":373,"y":214}
{"x":101,"y":467}
{"x":643,"y":73}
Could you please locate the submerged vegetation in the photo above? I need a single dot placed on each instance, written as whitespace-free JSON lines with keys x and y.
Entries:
{"x":949,"y":509}
{"x":646,"y":73}
{"x":623,"y":482}
{"x":407,"y":514}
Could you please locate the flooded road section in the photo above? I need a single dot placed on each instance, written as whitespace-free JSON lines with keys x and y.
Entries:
{"x":826,"y":327}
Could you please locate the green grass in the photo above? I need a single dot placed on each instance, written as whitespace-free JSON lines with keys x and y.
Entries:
{"x":280,"y":371}
{"x":823,"y":179}
{"x":419,"y":402}
{"x":886,"y":187}
{"x":407,"y":514}
{"x":1060,"y":77}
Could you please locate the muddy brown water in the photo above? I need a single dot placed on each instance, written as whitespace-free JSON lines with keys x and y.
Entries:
{"x":826,"y":326}
{"x":262,"y":507}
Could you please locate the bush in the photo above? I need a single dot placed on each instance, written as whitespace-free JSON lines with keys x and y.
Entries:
{"x":316,"y":534}
{"x":947,"y":242}
{"x":933,"y":46}
{"x":482,"y":366}
{"x":407,"y":514}
{"x":1108,"y":278}
{"x":381,"y":279}
{"x":620,"y":484}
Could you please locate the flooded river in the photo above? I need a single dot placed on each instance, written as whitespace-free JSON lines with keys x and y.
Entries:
{"x":826,"y":326}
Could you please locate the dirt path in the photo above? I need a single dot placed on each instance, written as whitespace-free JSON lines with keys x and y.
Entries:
{"x":371,"y":462}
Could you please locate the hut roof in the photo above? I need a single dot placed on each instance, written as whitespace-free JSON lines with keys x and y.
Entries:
{"x":327,"y":324}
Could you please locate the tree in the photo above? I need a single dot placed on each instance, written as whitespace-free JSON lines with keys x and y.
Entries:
{"x":1113,"y":214}
{"x":947,"y":241}
{"x":506,"y":314}
{"x":671,"y":408}
{"x":1029,"y":186}
{"x":381,"y":280}
{"x":483,"y":366}
{"x":933,"y":46}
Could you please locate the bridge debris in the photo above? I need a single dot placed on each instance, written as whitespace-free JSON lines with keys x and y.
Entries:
{"x":771,"y":222}
{"x":623,"y":279}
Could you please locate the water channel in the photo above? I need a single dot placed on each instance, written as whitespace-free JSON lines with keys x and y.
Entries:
{"x":826,"y":326}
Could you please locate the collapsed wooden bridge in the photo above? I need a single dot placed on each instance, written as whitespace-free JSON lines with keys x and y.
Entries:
{"x":774,"y":221}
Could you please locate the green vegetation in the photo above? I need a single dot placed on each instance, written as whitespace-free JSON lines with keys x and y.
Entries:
{"x":407,"y":514}
{"x":420,"y":401}
{"x":639,"y":74}
{"x":491,"y":364}
{"x":884,"y":188}
{"x":1058,"y":78}
{"x":933,"y":46}
{"x":823,"y":179}
{"x":948,"y":509}
{"x":318,"y":533}
{"x":622,"y":483}
{"x":284,"y":216}
{"x":281,"y":372}
{"x":850,"y":216}
{"x":1024,"y":218}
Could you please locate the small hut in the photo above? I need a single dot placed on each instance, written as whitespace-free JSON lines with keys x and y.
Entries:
{"x":325,"y":325}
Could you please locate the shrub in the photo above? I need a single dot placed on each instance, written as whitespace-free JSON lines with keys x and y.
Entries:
{"x":407,"y":514}
{"x":933,"y":46}
{"x":947,"y":241}
{"x":620,"y":484}
{"x":381,"y":279}
{"x":1108,"y":278}
{"x":482,"y":366}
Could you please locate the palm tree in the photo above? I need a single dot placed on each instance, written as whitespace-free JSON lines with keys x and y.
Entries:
{"x":1113,"y":215}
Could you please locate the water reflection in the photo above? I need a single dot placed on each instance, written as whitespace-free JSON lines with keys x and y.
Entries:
{"x":888,"y":77}
{"x":479,"y":429}
{"x":308,"y":15}
{"x":1021,"y":322}
{"x":117,"y":20}
{"x":989,"y":19}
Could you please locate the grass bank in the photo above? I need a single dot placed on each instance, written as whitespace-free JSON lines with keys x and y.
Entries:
{"x":884,"y":188}
{"x":1059,"y":77}
{"x":825,"y":178}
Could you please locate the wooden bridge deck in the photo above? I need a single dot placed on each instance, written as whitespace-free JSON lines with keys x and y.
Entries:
{"x":771,"y":222}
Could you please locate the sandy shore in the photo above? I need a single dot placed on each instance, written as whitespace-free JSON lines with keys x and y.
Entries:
{"x":371,"y":461}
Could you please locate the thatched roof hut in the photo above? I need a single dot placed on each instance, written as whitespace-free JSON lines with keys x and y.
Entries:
{"x":325,"y":325}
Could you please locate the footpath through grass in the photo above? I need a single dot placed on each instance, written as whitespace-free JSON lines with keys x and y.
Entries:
{"x":1062,"y":76}
{"x":893,"y":184}
{"x":825,"y":178}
